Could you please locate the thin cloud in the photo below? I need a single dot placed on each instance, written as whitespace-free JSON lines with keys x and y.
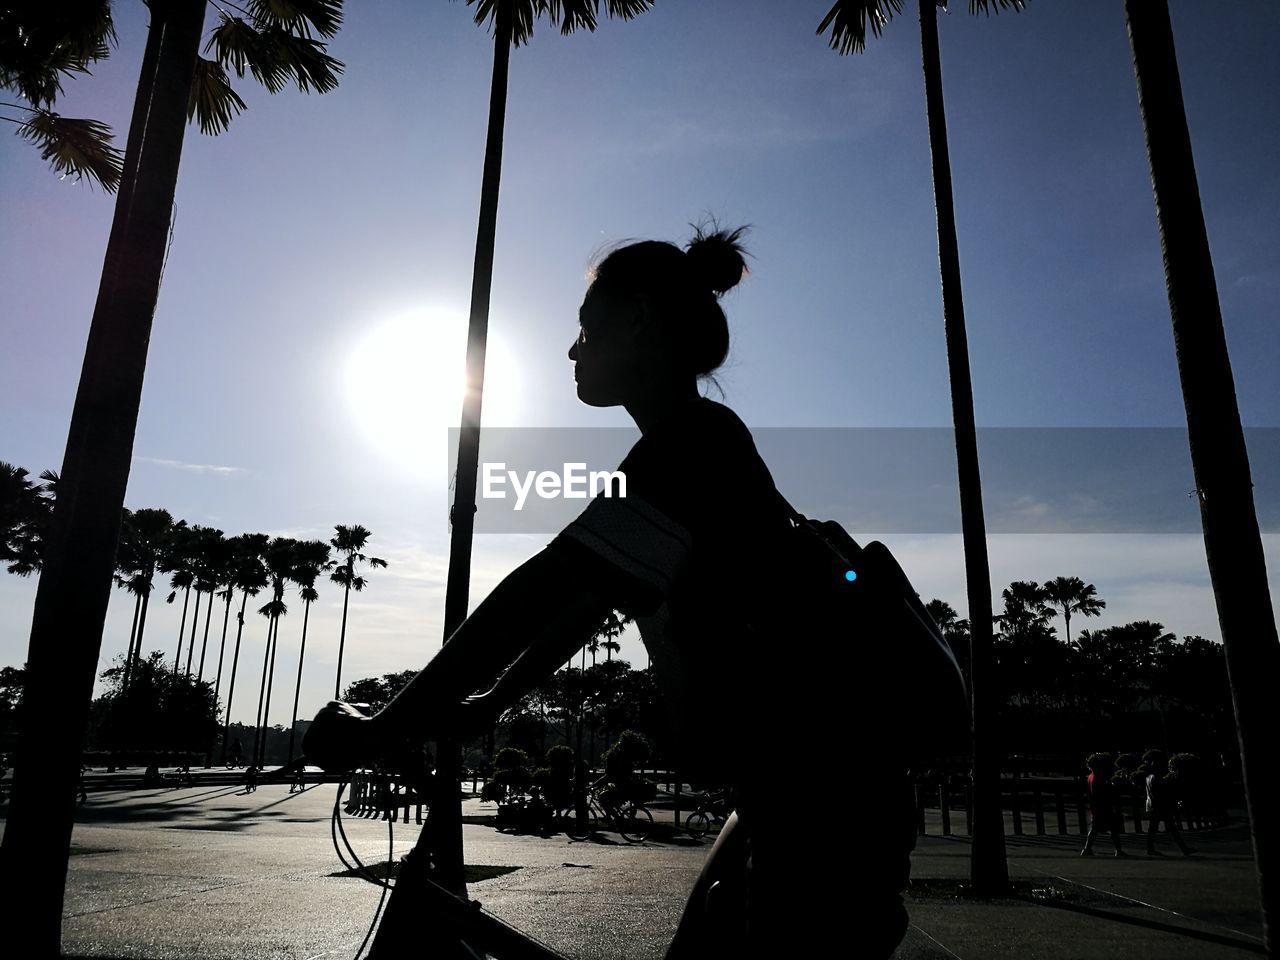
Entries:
{"x":192,"y":467}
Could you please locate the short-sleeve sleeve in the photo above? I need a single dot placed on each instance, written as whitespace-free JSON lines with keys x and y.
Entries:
{"x":686,"y":485}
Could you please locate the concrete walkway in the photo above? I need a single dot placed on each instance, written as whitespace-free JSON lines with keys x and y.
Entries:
{"x":210,"y":872}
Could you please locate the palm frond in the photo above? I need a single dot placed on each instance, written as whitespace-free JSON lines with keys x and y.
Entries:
{"x":627,"y":9}
{"x":40,"y":41}
{"x":305,"y":59}
{"x":995,"y":6}
{"x":848,"y":21}
{"x":572,"y":15}
{"x":76,"y":147}
{"x":212,"y":101}
{"x":239,"y":46}
{"x":523,"y":13}
{"x":300,"y":16}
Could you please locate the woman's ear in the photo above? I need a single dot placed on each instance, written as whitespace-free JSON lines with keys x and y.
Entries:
{"x":639,"y":315}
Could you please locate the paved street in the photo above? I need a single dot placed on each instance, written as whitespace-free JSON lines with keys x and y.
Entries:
{"x":209,"y":872}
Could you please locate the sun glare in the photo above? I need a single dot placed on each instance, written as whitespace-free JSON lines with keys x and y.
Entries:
{"x":404,"y":386}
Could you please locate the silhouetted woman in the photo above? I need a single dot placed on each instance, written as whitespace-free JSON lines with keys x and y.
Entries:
{"x":694,"y":552}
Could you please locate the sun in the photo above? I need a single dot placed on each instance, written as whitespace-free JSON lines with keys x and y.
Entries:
{"x":404,"y":382}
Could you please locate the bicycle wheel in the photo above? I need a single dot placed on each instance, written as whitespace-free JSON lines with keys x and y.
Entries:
{"x":698,"y":824}
{"x":635,"y":823}
{"x":579,"y":826}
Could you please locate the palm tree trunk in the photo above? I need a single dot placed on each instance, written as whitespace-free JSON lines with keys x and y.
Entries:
{"x":222,"y":647}
{"x":204,"y":644}
{"x":297,"y":690}
{"x":133,"y":632}
{"x":262,"y":691}
{"x":142,"y":626}
{"x":447,"y":841}
{"x":195,"y":625}
{"x":1066,"y":615}
{"x":74,"y":589}
{"x":182,"y":629}
{"x":342,"y":637}
{"x":989,"y":870}
{"x":231,"y":684}
{"x":271,"y":679}
{"x":1237,"y":565}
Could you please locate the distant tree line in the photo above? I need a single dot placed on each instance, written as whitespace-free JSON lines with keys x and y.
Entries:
{"x":204,"y":568}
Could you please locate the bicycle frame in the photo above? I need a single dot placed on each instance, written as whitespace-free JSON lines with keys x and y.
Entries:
{"x":424,"y":917}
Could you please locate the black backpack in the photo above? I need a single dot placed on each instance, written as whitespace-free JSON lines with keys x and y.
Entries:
{"x":862,"y":596}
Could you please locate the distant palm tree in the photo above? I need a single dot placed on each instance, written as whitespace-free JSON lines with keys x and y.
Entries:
{"x":848,"y":21}
{"x":249,"y":577}
{"x":180,"y":562}
{"x":1025,"y":606}
{"x":349,"y":542}
{"x":210,"y":571}
{"x":24,"y":511}
{"x":275,"y":44}
{"x":280,"y":560}
{"x":1070,"y":595}
{"x":310,"y":559}
{"x":1219,"y":458}
{"x":512,"y":23}
{"x":146,"y":537}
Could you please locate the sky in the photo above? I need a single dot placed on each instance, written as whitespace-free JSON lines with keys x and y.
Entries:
{"x":307,"y":346}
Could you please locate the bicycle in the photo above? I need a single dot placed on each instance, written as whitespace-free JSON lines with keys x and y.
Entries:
{"x":713,"y":810}
{"x":632,"y":820}
{"x":417,"y":912}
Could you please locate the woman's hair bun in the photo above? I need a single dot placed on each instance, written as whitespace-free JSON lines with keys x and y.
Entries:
{"x":716,"y":259}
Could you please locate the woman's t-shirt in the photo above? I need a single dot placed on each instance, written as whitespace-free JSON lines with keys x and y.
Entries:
{"x":692,"y":552}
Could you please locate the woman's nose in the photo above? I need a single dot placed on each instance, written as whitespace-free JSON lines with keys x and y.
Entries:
{"x":573,"y":351}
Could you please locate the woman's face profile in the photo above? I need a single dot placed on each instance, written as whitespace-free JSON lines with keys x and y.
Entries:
{"x":608,"y":355}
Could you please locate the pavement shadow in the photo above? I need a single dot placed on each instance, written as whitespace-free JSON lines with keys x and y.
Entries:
{"x":1099,"y":913}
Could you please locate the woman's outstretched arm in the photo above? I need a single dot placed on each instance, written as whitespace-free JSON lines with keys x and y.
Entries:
{"x":542,"y":607}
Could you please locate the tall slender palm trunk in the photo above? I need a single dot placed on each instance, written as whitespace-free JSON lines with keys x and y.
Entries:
{"x":142,"y":626}
{"x":1219,"y":459}
{"x":342,"y":637}
{"x":182,"y":629}
{"x":204,"y":644}
{"x":989,"y":870}
{"x":262,"y":691}
{"x":133,"y":632}
{"x":271,"y":679}
{"x":222,"y":646}
{"x":75,"y":586}
{"x":195,"y":625}
{"x":231,"y":684}
{"x":297,"y":689}
{"x":447,"y":823}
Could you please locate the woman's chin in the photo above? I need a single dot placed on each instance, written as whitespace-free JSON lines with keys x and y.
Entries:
{"x":595,"y":397}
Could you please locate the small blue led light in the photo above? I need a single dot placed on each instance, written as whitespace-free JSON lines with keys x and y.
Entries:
{"x":851,"y":575}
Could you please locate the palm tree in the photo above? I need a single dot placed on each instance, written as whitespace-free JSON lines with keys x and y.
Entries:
{"x":180,"y":561}
{"x":512,"y":24}
{"x":349,"y":541}
{"x":146,"y":537}
{"x":280,"y":560}
{"x":40,"y":43}
{"x":71,"y":600}
{"x":1233,"y":545}
{"x":1070,"y":595}
{"x":310,"y":559}
{"x":848,"y":21}
{"x":249,"y":576}
{"x":1025,"y":606}
{"x":24,"y":513}
{"x":211,"y":567}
